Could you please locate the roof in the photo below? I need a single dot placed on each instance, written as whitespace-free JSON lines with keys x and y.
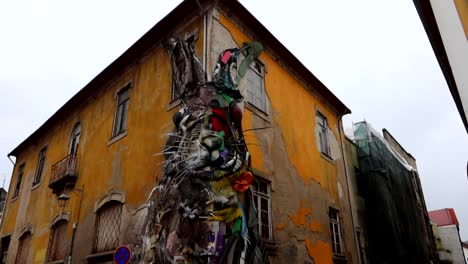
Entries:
{"x":161,"y":30}
{"x":444,"y":217}
{"x":430,"y":25}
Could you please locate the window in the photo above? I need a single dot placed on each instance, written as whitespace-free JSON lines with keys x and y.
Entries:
{"x":40,"y":165}
{"x":121,"y":113}
{"x":56,"y":248}
{"x":180,"y":63}
{"x":362,"y":254}
{"x":335,"y":231}
{"x":256,"y":94}
{"x":5,"y":245}
{"x":323,"y":134}
{"x":74,"y":139}
{"x":18,"y":180}
{"x":262,"y":201}
{"x":108,"y":227}
{"x":23,"y":248}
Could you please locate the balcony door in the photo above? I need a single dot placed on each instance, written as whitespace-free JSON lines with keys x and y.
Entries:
{"x":74,"y":139}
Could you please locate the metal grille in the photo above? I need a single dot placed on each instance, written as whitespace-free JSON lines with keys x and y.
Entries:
{"x":108,"y":227}
{"x":56,"y":248}
{"x":23,"y":249}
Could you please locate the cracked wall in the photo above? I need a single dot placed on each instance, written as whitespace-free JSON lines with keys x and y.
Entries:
{"x":304,"y":183}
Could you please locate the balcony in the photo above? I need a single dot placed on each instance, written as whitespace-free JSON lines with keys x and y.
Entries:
{"x":64,"y":173}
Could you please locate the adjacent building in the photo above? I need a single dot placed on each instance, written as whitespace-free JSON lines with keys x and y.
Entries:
{"x":465,"y":250}
{"x":451,"y":249}
{"x":3,"y":196}
{"x":388,"y":201}
{"x":81,"y":181}
{"x":357,"y":198}
{"x":446,"y":25}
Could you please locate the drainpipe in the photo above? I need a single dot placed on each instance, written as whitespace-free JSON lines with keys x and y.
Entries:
{"x":9,"y":157}
{"x":356,"y":241}
{"x":75,"y":225}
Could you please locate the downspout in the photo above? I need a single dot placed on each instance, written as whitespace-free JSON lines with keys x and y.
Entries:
{"x":75,"y":225}
{"x":356,"y":240}
{"x":9,"y":157}
{"x":205,"y":24}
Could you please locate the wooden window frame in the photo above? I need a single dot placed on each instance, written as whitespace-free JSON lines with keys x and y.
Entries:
{"x":99,"y":212}
{"x":26,"y":237}
{"x":54,"y":239}
{"x":40,"y":165}
{"x":122,"y":99}
{"x":19,"y":179}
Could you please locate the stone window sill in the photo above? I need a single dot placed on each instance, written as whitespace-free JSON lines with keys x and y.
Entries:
{"x":257,"y":112}
{"x":96,"y":256}
{"x":35,"y":186}
{"x":14,"y":198}
{"x":327,"y":158}
{"x":173,"y":104}
{"x":56,"y":262}
{"x":117,"y":138}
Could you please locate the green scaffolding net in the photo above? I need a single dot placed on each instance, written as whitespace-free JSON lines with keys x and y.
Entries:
{"x":397,"y":225}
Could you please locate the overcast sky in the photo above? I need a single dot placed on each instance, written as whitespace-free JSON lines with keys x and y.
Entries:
{"x":374,"y":55}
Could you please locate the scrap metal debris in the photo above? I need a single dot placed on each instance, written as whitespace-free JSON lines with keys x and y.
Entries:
{"x":202,"y":211}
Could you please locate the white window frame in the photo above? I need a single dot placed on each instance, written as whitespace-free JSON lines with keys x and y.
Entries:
{"x":323,"y":139}
{"x":250,"y":90}
{"x":257,"y":197}
{"x":335,"y":231}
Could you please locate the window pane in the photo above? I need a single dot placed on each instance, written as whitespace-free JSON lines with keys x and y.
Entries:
{"x":264,"y":217}
{"x":18,"y":181}
{"x":123,"y":95}
{"x":40,"y":166}
{"x":123,"y":122}
{"x":265,"y":230}
{"x":264,"y":203}
{"x":255,"y":88}
{"x":263,"y":187}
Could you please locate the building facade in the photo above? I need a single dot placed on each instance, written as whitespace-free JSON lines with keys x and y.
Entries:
{"x":448,"y":235}
{"x":465,"y":250}
{"x":446,"y":25}
{"x":81,"y":182}
{"x":396,"y":224}
{"x":357,"y":199}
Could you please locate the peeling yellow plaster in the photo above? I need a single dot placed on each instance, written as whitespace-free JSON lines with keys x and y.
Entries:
{"x":320,"y":252}
{"x":316,"y":227}
{"x":299,"y":219}
{"x":280,"y":226}
{"x":297,"y":127}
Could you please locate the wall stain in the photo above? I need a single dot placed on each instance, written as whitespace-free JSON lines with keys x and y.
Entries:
{"x":320,"y":252}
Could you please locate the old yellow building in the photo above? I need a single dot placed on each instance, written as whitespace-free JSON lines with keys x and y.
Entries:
{"x":81,"y":181}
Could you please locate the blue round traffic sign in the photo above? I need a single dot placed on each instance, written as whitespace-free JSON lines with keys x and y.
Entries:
{"x":122,"y":255}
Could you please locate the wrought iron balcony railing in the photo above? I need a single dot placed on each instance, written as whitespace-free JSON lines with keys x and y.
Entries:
{"x":64,"y":172}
